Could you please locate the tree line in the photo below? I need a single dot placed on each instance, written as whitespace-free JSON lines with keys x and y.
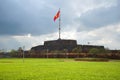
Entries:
{"x":75,"y":53}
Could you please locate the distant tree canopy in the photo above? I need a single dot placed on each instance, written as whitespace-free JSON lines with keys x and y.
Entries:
{"x":20,"y":49}
{"x":118,"y":51}
{"x":97,"y":51}
{"x":93,"y":51}
{"x":77,"y":50}
{"x":14,"y":52}
{"x":65,"y":51}
{"x":2,"y":51}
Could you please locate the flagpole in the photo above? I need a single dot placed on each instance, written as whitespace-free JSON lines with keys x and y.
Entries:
{"x":23,"y":53}
{"x":60,"y":25}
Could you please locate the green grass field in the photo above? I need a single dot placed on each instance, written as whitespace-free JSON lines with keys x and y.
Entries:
{"x":58,"y":69}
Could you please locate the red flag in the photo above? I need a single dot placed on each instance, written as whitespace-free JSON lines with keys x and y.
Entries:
{"x":57,"y":15}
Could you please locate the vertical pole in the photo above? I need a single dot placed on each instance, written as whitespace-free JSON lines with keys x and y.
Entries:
{"x":59,"y":24}
{"x":47,"y":52}
{"x":88,"y":43}
{"x":23,"y":53}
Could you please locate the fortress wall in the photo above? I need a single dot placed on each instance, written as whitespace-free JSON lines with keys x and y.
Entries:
{"x":60,"y":45}
{"x":60,"y":42}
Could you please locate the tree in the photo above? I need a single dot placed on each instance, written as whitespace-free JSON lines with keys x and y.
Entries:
{"x":119,"y":51}
{"x":66,"y":52}
{"x":20,"y":49}
{"x":107,"y":50}
{"x":94,"y":51}
{"x":1,"y":52}
{"x":13,"y":53}
{"x":102,"y":50}
{"x":77,"y":50}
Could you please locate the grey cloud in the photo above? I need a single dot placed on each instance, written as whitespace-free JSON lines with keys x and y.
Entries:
{"x":21,"y":17}
{"x":7,"y":43}
{"x":36,"y":17}
{"x":101,"y":17}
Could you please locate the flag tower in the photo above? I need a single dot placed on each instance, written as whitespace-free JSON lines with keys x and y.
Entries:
{"x":56,"y":17}
{"x":59,"y":25}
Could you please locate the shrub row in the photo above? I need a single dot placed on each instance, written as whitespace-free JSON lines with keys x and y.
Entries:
{"x":71,"y":55}
{"x":92,"y":59}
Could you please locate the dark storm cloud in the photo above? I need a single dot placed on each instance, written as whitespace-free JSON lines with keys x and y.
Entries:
{"x":30,"y":22}
{"x":101,"y":17}
{"x":23,"y":16}
{"x":36,"y":16}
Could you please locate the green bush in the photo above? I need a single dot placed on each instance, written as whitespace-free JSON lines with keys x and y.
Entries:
{"x":91,"y":59}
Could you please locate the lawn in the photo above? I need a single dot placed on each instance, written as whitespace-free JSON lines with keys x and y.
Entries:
{"x":58,"y":69}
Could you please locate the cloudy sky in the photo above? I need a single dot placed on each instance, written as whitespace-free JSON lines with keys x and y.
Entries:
{"x":30,"y":22}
